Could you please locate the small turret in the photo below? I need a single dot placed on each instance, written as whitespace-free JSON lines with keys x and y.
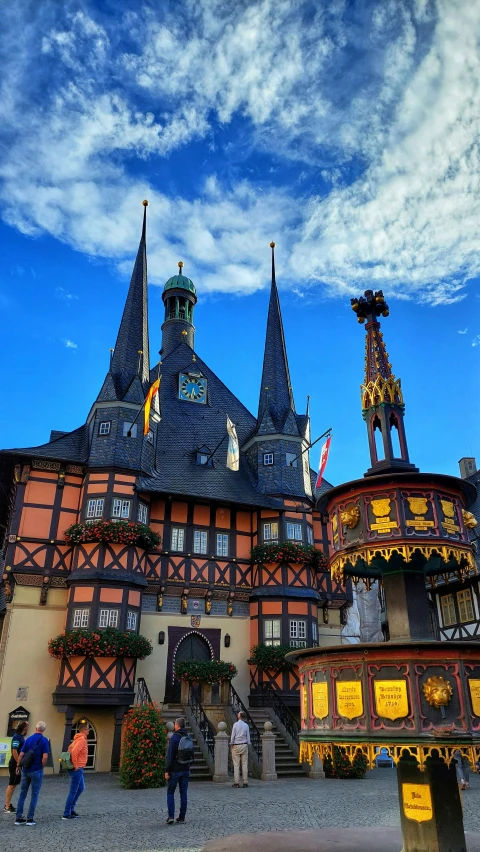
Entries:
{"x":381,"y":393}
{"x":179,"y":297}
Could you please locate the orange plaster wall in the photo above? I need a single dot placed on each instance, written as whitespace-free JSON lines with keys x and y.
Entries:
{"x":40,"y":492}
{"x":111,"y":595}
{"x":35,"y":522}
{"x":317,"y":529}
{"x":96,"y":488}
{"x":179,"y":513}
{"x":134,"y":598}
{"x":123,"y":489}
{"x":243,"y":546}
{"x":299,"y":516}
{"x":96,"y":477}
{"x":65,"y":519}
{"x":83,"y":594}
{"x":271,"y":608}
{"x":297,"y":608}
{"x":253,"y":633}
{"x":70,"y":498}
{"x":157,"y":510}
{"x":253,"y":609}
{"x":244,"y":521}
{"x":222,"y":518}
{"x":124,"y":478}
{"x":201,"y":515}
{"x":269,"y":513}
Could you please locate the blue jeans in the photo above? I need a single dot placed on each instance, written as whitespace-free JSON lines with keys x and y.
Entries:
{"x":180,"y":778}
{"x":29,"y":778}
{"x":77,"y":786}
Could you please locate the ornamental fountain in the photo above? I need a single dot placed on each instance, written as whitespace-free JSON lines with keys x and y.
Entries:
{"x":417,"y":697}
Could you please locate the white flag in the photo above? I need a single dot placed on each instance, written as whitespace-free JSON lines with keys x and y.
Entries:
{"x":233,"y":452}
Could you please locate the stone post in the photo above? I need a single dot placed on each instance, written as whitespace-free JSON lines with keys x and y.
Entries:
{"x":316,"y":769}
{"x":224,"y":690}
{"x":268,"y":754}
{"x":206,"y":693}
{"x":221,"y":754}
{"x":184,"y":693}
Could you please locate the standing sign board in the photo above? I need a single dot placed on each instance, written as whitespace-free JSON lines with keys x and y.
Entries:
{"x":14,"y":719}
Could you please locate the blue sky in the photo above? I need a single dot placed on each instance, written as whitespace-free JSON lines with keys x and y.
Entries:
{"x":347,"y":132}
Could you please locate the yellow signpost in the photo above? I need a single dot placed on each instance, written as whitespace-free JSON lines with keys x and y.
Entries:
{"x":349,"y":698}
{"x":417,"y":802}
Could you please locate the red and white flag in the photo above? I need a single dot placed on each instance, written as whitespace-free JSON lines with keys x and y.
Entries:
{"x":323,"y":461}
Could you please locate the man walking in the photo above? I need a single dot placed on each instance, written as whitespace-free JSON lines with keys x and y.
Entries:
{"x":239,"y":741}
{"x":14,"y":771}
{"x":32,"y":775}
{"x":180,"y":757}
{"x":79,"y":753}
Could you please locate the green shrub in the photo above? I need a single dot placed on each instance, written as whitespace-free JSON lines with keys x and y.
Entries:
{"x":144,"y":748}
{"x":205,"y":671}
{"x":104,"y":642}
{"x":271,"y":657}
{"x":340,"y":766}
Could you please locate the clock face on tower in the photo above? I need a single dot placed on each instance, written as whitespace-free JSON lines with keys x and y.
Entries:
{"x":192,"y":387}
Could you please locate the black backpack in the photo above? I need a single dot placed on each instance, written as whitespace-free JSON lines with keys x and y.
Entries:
{"x":28,"y":758}
{"x":186,"y":750}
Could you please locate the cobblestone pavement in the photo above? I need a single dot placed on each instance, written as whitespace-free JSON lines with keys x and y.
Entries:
{"x":134,"y":821}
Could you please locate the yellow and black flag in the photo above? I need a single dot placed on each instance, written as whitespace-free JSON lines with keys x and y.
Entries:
{"x":148,"y":404}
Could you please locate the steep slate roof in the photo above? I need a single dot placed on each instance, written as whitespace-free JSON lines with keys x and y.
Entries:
{"x":132,"y":336}
{"x":187,"y":427}
{"x":69,"y":447}
{"x":275,"y":403}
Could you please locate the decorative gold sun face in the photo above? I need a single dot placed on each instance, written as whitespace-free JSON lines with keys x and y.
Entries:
{"x":192,"y":387}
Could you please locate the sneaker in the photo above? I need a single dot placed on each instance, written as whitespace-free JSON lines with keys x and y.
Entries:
{"x":70,"y":816}
{"x":20,"y":821}
{"x":10,"y":810}
{"x":170,"y":821}
{"x":31,"y":822}
{"x":245,"y":785}
{"x":74,"y":814}
{"x":180,"y":819}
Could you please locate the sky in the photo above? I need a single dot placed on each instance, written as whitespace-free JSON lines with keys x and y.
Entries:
{"x":348,"y":132}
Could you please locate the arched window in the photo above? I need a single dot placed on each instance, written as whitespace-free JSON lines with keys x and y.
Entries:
{"x":395,"y":438}
{"x":91,"y":742}
{"x":378,"y":438}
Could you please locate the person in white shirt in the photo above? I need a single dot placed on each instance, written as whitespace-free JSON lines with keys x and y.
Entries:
{"x":239,"y":741}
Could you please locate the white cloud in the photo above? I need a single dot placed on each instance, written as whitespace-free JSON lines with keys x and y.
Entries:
{"x":63,"y":294}
{"x":476,"y":340}
{"x":383,"y":111}
{"x":70,"y":344}
{"x":462,"y":331}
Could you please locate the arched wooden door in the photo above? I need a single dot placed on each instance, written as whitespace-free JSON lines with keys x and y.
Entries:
{"x":191,"y":647}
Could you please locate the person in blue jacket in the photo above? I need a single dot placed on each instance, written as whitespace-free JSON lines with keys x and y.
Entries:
{"x":177,"y":773}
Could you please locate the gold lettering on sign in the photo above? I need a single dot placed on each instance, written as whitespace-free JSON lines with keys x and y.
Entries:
{"x":417,"y":802}
{"x":420,"y":523}
{"x":384,"y":526}
{"x":349,"y":698}
{"x":391,"y":698}
{"x":474,"y":686}
{"x":320,"y":700}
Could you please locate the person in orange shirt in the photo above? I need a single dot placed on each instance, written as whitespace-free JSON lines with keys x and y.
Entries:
{"x":79,"y":752}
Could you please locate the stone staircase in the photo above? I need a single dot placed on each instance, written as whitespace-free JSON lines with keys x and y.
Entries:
{"x":286,"y":763}
{"x":200,"y":770}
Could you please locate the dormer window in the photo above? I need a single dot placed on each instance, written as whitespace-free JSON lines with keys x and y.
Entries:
{"x":129,"y":430}
{"x":204,"y":458}
{"x":104,"y":428}
{"x":268,"y":458}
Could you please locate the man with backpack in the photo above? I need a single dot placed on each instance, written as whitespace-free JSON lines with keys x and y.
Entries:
{"x":180,"y":757}
{"x":32,"y":759}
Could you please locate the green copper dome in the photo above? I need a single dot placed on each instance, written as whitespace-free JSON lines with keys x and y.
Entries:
{"x":180,"y":281}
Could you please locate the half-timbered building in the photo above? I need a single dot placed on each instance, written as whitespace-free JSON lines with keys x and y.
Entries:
{"x":198,"y":595}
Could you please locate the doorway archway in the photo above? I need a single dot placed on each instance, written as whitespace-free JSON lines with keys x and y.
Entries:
{"x":193,"y":646}
{"x":91,"y":742}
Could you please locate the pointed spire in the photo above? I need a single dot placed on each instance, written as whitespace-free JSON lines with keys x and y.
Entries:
{"x":131,"y":355}
{"x":276,"y":397}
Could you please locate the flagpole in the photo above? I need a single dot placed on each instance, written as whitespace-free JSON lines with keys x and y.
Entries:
{"x":328,"y":432}
{"x":216,"y":448}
